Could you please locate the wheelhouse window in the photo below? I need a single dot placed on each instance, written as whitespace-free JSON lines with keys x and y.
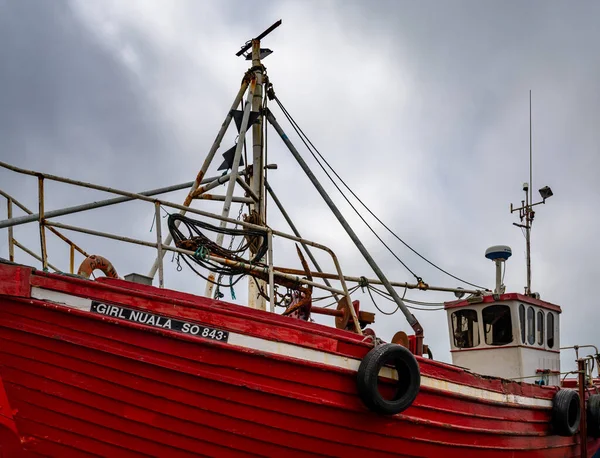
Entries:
{"x":540,"y":327}
{"x":465,"y":327}
{"x":530,"y":325}
{"x":497,"y":325}
{"x":550,"y":329}
{"x":522,"y":322}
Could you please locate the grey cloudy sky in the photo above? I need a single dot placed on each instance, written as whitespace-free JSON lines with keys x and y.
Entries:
{"x":421,"y":106}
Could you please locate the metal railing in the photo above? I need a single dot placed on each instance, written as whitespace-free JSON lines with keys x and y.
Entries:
{"x":43,"y":219}
{"x":593,"y":358}
{"x":44,"y":223}
{"x":12,"y":241}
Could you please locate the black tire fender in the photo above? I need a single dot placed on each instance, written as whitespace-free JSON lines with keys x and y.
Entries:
{"x":566,"y":412}
{"x":409,"y":379}
{"x":593,"y":416}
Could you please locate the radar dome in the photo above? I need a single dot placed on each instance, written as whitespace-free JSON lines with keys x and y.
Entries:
{"x":498,"y":252}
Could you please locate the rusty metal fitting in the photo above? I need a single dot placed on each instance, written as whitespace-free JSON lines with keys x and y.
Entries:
{"x":249,"y":76}
{"x":421,"y":284}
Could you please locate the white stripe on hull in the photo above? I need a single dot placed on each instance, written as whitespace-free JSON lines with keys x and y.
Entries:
{"x":316,"y":356}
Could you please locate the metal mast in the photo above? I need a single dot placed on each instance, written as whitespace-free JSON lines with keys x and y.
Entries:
{"x":529,"y":215}
{"x":528,"y":220}
{"x":526,"y":212}
{"x":257,"y":181}
{"x":251,"y":115}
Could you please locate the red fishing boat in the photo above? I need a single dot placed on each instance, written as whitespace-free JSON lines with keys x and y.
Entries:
{"x":118,"y":367}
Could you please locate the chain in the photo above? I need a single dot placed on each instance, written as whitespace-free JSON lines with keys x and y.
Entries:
{"x":218,"y":293}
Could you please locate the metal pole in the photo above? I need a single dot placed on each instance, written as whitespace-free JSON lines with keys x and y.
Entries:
{"x":227,"y":262}
{"x":72,"y":259}
{"x":213,"y":184}
{"x":11,"y":247}
{"x":498,"y":289}
{"x":206,"y":163}
{"x":244,"y":200}
{"x":231,"y":185}
{"x":260,"y":37}
{"x":529,"y":200}
{"x":89,"y":206}
{"x":295,"y":230}
{"x":159,"y":249}
{"x":14,"y":201}
{"x":265,"y":270}
{"x":256,"y":300}
{"x":581,"y":368}
{"x":271,"y":276}
{"x":51,"y":229}
{"x":248,"y":189}
{"x":257,"y":177}
{"x":409,"y":316}
{"x":528,"y":241}
{"x":42,"y":223}
{"x":375,"y":281}
{"x":530,"y":154}
{"x":131,"y":196}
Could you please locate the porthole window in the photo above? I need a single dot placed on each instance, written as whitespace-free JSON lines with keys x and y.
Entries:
{"x":540,"y":327}
{"x":530,"y":325}
{"x":550,"y":329}
{"x":465,"y":327}
{"x":522,"y":322}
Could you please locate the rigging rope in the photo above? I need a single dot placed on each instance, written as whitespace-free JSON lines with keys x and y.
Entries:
{"x":431,"y":306}
{"x":308,"y":142}
{"x":300,"y":134}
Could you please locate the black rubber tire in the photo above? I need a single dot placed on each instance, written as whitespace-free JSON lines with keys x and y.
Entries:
{"x":408,"y":385}
{"x":566,"y":412}
{"x":593,"y":416}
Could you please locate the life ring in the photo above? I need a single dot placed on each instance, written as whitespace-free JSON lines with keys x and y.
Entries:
{"x":566,"y":412}
{"x":409,"y":379}
{"x":593,"y":416}
{"x":94,"y":262}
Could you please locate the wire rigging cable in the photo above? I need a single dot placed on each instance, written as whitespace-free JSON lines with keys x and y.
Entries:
{"x":342,"y":193}
{"x":430,"y":306}
{"x":315,"y":152}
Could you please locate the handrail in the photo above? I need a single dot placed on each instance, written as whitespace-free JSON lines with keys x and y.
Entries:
{"x":595,"y":357}
{"x":11,"y":200}
{"x":189,"y":252}
{"x":43,"y":220}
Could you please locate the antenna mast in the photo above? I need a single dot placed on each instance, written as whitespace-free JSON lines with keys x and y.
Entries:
{"x":526,"y":209}
{"x":529,"y":214}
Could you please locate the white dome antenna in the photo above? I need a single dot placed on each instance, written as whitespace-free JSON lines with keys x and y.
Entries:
{"x":499,"y":254}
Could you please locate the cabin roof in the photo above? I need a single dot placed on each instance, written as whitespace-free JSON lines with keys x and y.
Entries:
{"x":504,"y":297}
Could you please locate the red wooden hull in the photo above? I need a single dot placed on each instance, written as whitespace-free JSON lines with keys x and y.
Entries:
{"x":84,"y":384}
